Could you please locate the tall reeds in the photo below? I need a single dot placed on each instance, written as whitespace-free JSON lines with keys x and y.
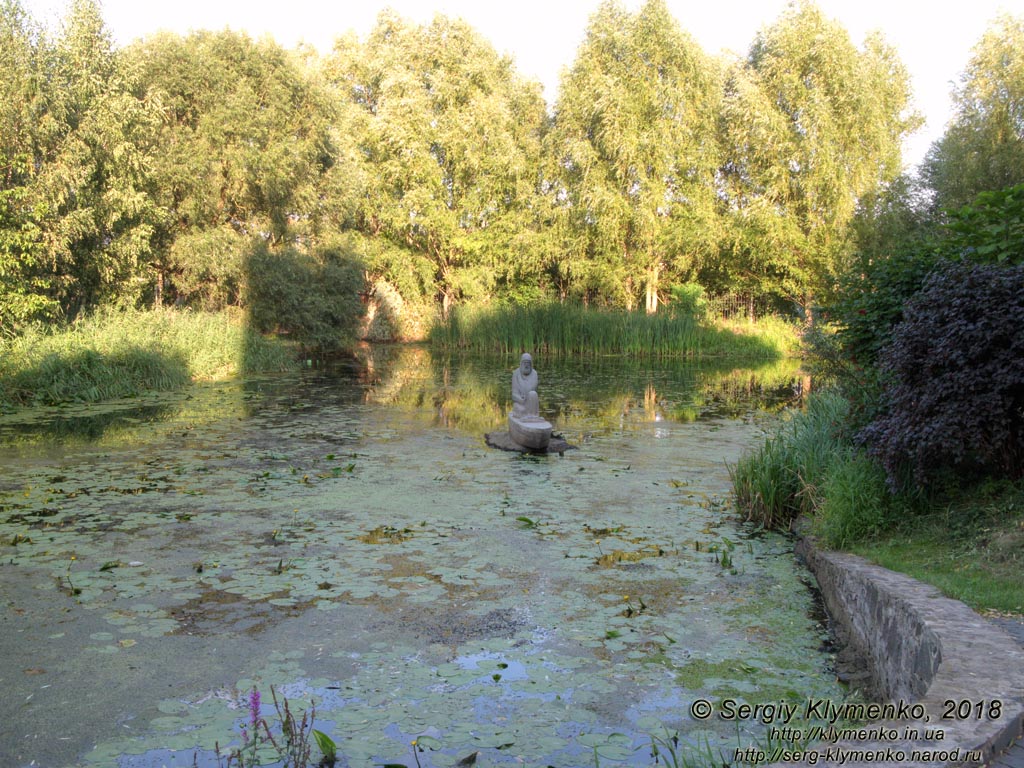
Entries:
{"x":570,"y":329}
{"x":782,"y":478}
{"x":116,"y":354}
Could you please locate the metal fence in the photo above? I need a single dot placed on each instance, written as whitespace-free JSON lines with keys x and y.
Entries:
{"x":743,"y":306}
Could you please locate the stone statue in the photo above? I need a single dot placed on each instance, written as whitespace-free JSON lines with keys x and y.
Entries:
{"x":524,"y":388}
{"x":525,"y":425}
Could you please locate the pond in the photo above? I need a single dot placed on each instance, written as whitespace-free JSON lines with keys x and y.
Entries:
{"x":346,"y":536}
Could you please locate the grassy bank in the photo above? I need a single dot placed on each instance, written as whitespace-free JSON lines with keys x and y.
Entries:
{"x":569,"y":329}
{"x":781,"y":479}
{"x":118,"y":354}
{"x":971,"y":548}
{"x":966,"y":540}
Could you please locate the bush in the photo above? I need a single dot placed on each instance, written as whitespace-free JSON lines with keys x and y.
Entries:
{"x":991,"y":228}
{"x":873,"y":299}
{"x":954,"y":394}
{"x":313,"y":299}
{"x":875,"y":290}
{"x":689,"y":299}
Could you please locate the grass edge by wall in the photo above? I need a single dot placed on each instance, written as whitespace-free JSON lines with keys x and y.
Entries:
{"x":968,"y":541}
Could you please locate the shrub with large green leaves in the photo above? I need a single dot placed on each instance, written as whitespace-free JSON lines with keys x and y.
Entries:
{"x":991,"y":228}
{"x":954,"y":396}
{"x":875,"y":289}
{"x":873,"y":299}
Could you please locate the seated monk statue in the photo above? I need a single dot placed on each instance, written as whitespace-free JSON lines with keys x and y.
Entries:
{"x":524,"y":389}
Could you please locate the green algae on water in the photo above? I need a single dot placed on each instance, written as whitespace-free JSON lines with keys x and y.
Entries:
{"x":530,"y":609}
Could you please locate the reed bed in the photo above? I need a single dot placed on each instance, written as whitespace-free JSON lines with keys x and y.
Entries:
{"x":570,"y":329}
{"x":782,"y":478}
{"x":115,"y":354}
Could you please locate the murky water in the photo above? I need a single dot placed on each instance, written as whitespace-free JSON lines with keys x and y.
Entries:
{"x":347,"y":537}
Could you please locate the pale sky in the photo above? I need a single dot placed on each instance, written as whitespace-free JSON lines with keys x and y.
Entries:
{"x":542,"y":36}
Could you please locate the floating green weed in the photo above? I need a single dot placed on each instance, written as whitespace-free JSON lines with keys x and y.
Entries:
{"x":412,"y":607}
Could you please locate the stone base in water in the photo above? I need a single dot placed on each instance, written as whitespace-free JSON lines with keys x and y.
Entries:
{"x":503,"y":441}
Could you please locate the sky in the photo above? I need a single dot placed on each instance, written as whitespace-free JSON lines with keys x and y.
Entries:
{"x":543,"y":36}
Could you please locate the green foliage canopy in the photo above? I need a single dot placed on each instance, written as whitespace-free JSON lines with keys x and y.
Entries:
{"x":983,"y":148}
{"x":634,"y":155}
{"x":811,"y":124}
{"x":447,"y":155}
{"x":160,"y":172}
{"x":241,"y":149}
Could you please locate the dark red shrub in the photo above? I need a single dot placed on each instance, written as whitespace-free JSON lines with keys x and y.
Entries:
{"x":954,"y":371}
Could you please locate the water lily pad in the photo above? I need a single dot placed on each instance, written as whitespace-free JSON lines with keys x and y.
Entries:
{"x":386,"y":643}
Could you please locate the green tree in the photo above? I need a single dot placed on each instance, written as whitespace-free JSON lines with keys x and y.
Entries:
{"x":76,"y":216}
{"x":982,"y":150}
{"x":634,"y":153}
{"x":241,"y":149}
{"x":25,"y":123}
{"x":811,"y":124}
{"x":443,"y":178}
{"x":97,"y":188}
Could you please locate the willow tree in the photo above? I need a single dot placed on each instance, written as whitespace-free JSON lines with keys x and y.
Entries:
{"x":76,"y":218}
{"x":98,"y":186}
{"x":634,"y":153}
{"x":446,"y":167}
{"x":24,"y":128}
{"x":983,"y":147}
{"x":811,"y":123}
{"x":240,"y":150}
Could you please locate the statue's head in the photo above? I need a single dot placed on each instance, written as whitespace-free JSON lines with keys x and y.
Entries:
{"x":526,"y":364}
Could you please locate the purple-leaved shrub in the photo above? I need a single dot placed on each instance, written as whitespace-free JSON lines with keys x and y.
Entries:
{"x":954,"y":370}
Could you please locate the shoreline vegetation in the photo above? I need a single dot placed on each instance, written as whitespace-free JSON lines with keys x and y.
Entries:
{"x":115,"y":353}
{"x":571,"y":329}
{"x":965,"y":538}
{"x":912,"y":454}
{"x":112,"y":354}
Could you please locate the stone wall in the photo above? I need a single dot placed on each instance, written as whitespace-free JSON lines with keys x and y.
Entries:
{"x":924,"y":648}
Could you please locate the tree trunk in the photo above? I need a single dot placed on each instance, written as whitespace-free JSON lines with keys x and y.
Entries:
{"x":652,"y":290}
{"x":446,"y":304}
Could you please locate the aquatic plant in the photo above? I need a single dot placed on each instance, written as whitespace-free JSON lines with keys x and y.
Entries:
{"x":291,"y":748}
{"x":117,"y":354}
{"x":569,"y":329}
{"x":237,"y":480}
{"x":70,"y":587}
{"x":779,"y":480}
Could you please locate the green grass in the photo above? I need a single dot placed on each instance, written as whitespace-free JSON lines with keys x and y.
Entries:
{"x":972,"y":548}
{"x":855,"y":502}
{"x":114,"y":354}
{"x":970,"y":545}
{"x":782,"y":478}
{"x":570,"y":329}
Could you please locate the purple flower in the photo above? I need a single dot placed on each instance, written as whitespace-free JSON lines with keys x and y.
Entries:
{"x":254,"y":707}
{"x":245,"y":736}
